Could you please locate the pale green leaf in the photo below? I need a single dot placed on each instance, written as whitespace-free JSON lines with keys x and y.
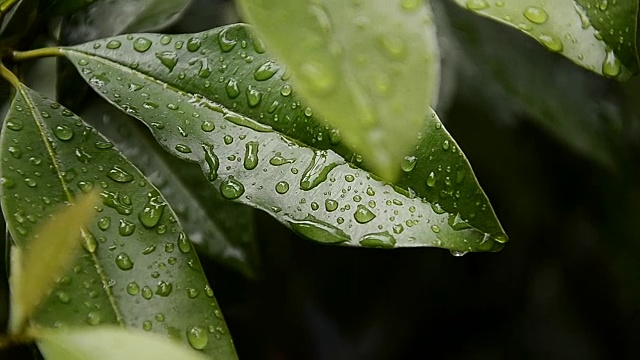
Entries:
{"x":47,"y":256}
{"x":112,"y":343}
{"x":599,"y":35}
{"x":370,"y":68}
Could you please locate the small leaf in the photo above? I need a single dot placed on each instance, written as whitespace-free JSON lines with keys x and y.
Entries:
{"x":599,"y":35}
{"x":276,"y":154}
{"x":111,"y":343}
{"x":370,"y":68}
{"x":138,"y":268}
{"x":50,"y":252}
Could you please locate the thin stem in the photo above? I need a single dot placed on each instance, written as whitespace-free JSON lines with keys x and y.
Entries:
{"x":36,"y":53}
{"x":9,"y":76}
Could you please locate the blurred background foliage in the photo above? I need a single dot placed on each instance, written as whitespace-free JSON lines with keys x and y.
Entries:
{"x":556,"y":149}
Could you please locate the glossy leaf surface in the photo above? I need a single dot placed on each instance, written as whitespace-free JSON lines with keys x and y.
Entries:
{"x":210,"y":98}
{"x":599,"y":35}
{"x":221,"y":229}
{"x":111,"y":343}
{"x":371,"y":68}
{"x":138,"y":268}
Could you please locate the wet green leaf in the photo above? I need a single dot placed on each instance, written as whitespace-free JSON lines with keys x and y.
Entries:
{"x":50,"y":252}
{"x":371,"y":68}
{"x":599,"y":35}
{"x":221,"y":229}
{"x":137,"y":268}
{"x":112,"y":343}
{"x":206,"y":100}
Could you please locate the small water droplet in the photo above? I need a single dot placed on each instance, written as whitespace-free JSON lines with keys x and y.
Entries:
{"x":435,"y":228}
{"x":363,"y":215}
{"x":253,"y":96}
{"x":93,"y":318}
{"x":611,"y":66}
{"x":212,"y":163}
{"x":63,"y":297}
{"x":536,"y":14}
{"x":231,"y":188}
{"x":15,"y":125}
{"x":164,"y":288}
{"x":126,"y":228}
{"x":168,"y":58}
{"x":285,"y":90}
{"x":477,"y":4}
{"x":113,"y":44}
{"x":232,"y":88}
{"x":146,"y":292}
{"x":207,"y":126}
{"x":183,"y":148}
{"x":193,"y":44}
{"x":551,"y":42}
{"x":184,"y":245}
{"x":225,"y":41}
{"x":458,"y":253}
{"x":382,"y":240}
{"x":123,"y":261}
{"x":63,"y":132}
{"x":103,"y":223}
{"x":266,"y":71}
{"x":282,"y":187}
{"x":133,"y":288}
{"x":431,"y":180}
{"x":198,"y":338}
{"x":147,"y":325}
{"x":141,"y":44}
{"x":408,"y":163}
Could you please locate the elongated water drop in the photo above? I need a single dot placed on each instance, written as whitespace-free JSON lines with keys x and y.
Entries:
{"x":318,"y":230}
{"x":118,"y":174}
{"x":317,"y":170}
{"x":212,"y":162}
{"x":382,"y":240}
{"x":152,"y":211}
{"x":266,"y":71}
{"x":251,"y":155}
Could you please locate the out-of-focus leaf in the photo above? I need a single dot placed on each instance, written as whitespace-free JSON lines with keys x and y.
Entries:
{"x":572,"y":104}
{"x":370,"y":68}
{"x":49,"y":254}
{"x":216,"y":98}
{"x":221,"y":229}
{"x":112,"y":343}
{"x":599,"y":35}
{"x":17,"y":21}
{"x":138,"y":268}
{"x":64,"y":7}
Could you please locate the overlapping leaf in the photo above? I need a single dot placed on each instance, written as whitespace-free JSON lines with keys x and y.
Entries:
{"x":599,"y":35}
{"x":217,"y":98}
{"x":138,"y":268}
{"x":370,"y":68}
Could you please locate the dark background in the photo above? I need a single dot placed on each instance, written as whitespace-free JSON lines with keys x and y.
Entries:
{"x":566,"y":286}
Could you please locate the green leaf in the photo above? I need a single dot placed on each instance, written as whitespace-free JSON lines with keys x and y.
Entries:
{"x":370,"y":68}
{"x":599,"y":35}
{"x":221,"y":229}
{"x":138,"y":268}
{"x":259,"y":145}
{"x":575,"y":106}
{"x":112,"y":343}
{"x":51,"y":250}
{"x":64,"y":7}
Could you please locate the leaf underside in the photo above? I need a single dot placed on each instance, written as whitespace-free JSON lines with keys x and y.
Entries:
{"x":207,"y":99}
{"x":138,"y":268}
{"x":599,"y":35}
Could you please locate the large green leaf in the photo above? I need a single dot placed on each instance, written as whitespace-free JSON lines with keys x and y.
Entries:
{"x":217,"y":98}
{"x":371,"y":68}
{"x":106,"y":343}
{"x":599,"y":35}
{"x":219,"y":228}
{"x":138,"y":268}
{"x":576,"y":106}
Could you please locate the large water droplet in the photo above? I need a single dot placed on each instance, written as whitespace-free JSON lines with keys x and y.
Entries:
{"x":15,"y":125}
{"x":363,"y":215}
{"x":317,"y":170}
{"x":193,"y":44}
{"x":184,"y":245}
{"x":266,"y":71}
{"x":118,"y":174}
{"x":318,"y":230}
{"x":182,"y":148}
{"x":251,"y":155}
{"x":408,"y":163}
{"x":253,"y":96}
{"x":551,"y":42}
{"x":63,"y":132}
{"x":382,"y":240}
{"x":133,"y":288}
{"x":536,"y":14}
{"x":330,"y":205}
{"x":226,"y":42}
{"x":164,"y":288}
{"x":152,"y":211}
{"x":126,"y":228}
{"x":198,"y":338}
{"x":282,"y":187}
{"x":146,"y":292}
{"x":611,"y":66}
{"x":168,"y":58}
{"x":231,"y":188}
{"x":212,"y":162}
{"x":141,"y":44}
{"x":123,"y":261}
{"x":113,"y":44}
{"x":246,"y":122}
{"x":278,"y":160}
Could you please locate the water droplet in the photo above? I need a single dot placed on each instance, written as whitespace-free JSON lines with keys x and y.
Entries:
{"x":165,"y":39}
{"x":197,"y":337}
{"x":551,"y":42}
{"x":228,"y":139}
{"x":141,"y":44}
{"x":477,"y":4}
{"x":251,"y":155}
{"x":30,"y":182}
{"x":168,"y":58}
{"x":212,"y":162}
{"x":285,"y":90}
{"x":147,"y":325}
{"x":118,"y":174}
{"x":15,"y":152}
{"x":253,"y":96}
{"x":152,"y":211}
{"x":126,"y":228}
{"x":382,"y":240}
{"x":113,"y":44}
{"x":330,"y":205}
{"x":458,"y":253}
{"x":317,"y":170}
{"x":184,"y":245}
{"x":89,"y":243}
{"x":435,"y":228}
{"x":349,"y":178}
{"x":63,"y":132}
{"x":536,"y":14}
{"x":411,"y":5}
{"x":103,"y":223}
{"x":133,"y":288}
{"x":408,"y":163}
{"x":207,"y":126}
{"x":192,"y":293}
{"x":231,"y":188}
{"x":193,"y":44}
{"x":146,"y":292}
{"x":183,"y":148}
{"x":63,"y":297}
{"x":246,"y":122}
{"x":282,"y":187}
{"x":93,"y":318}
{"x":317,"y":230}
{"x":15,"y":125}
{"x":278,"y":160}
{"x":266,"y":71}
{"x":225,"y":41}
{"x":164,"y":288}
{"x":393,"y":46}
{"x":363,"y":215}
{"x":446,"y":145}
{"x":232,"y":88}
{"x":611,"y":66}
{"x":431,"y":180}
{"x":124,"y":261}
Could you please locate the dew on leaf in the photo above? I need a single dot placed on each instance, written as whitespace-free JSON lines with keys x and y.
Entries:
{"x":382,"y":240}
{"x":231,"y":188}
{"x":141,"y":44}
{"x":113,"y":44}
{"x":536,"y":14}
{"x":197,"y":337}
{"x":164,"y":288}
{"x":168,"y":58}
{"x":123,"y":261}
{"x":282,"y":187}
{"x":266,"y":71}
{"x":318,"y":230}
{"x":63,"y":132}
{"x":251,"y":155}
{"x":363,"y":215}
{"x":118,"y":174}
